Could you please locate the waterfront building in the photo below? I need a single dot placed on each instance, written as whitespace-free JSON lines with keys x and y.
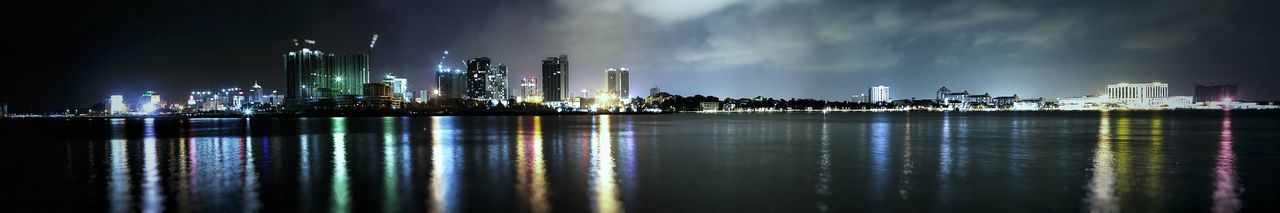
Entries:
{"x":451,"y":83}
{"x":654,"y":91}
{"x":378,"y":95}
{"x":529,"y":91}
{"x":710,"y":106}
{"x":256,"y":95}
{"x":879,"y":94}
{"x":116,"y":105}
{"x":496,"y":86}
{"x":399,"y":87}
{"x":1085,"y":103}
{"x":555,"y":79}
{"x":422,"y":96}
{"x":1006,"y":101}
{"x":312,"y":75}
{"x":1145,"y":96}
{"x":150,"y":102}
{"x":861,"y":98}
{"x":1215,"y":92}
{"x":478,"y":78}
{"x":1028,"y":104}
{"x":618,"y":82}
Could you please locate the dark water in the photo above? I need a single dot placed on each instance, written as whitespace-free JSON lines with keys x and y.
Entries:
{"x":806,"y":162}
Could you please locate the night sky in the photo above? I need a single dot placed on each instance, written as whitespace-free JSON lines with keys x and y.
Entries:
{"x":72,"y":54}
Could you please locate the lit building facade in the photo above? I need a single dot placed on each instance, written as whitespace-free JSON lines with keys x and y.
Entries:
{"x":497,"y":83}
{"x":399,"y":87}
{"x":879,"y":94}
{"x":116,"y":105}
{"x":478,"y":78}
{"x":555,"y":79}
{"x":1145,"y":96}
{"x":314,"y":75}
{"x":619,"y":82}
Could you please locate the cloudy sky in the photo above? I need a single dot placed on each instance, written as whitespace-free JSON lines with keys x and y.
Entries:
{"x":77,"y":53}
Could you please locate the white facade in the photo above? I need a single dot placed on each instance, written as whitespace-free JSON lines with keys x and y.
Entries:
{"x":879,"y":93}
{"x":117,"y":105}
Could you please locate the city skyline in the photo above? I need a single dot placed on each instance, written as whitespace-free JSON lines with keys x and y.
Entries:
{"x":1030,"y":49}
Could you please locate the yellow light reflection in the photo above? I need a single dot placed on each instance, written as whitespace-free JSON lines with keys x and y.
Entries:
{"x":1101,"y":195}
{"x":531,"y":182}
{"x":1155,"y":163}
{"x":603,"y":174}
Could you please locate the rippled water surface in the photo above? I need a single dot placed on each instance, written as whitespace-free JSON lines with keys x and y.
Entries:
{"x":801,"y":162}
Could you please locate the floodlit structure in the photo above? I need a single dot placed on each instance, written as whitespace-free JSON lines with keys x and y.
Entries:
{"x":618,"y":82}
{"x":312,"y":75}
{"x":879,"y":94}
{"x":116,"y":105}
{"x":1154,"y":95}
{"x":529,"y":91}
{"x":555,"y":79}
{"x":399,"y":87}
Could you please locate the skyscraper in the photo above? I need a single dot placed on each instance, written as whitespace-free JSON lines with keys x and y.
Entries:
{"x":528,"y":87}
{"x":496,"y":82}
{"x":478,"y":78}
{"x":555,"y":78}
{"x":313,"y":75}
{"x":618,"y":81}
{"x":1215,"y":92}
{"x":452,"y":83}
{"x":879,"y":93}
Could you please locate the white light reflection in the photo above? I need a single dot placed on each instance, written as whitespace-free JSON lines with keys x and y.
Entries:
{"x":341,"y":192}
{"x":152,"y":191}
{"x":1101,"y":188}
{"x":444,"y":173}
{"x":121,"y":194}
{"x":531,"y":182}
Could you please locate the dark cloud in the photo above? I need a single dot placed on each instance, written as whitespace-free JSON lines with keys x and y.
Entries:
{"x":787,"y":48}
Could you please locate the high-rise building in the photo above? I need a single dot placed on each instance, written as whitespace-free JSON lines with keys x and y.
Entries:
{"x":451,"y":83}
{"x":1215,"y":92}
{"x":618,"y":82}
{"x":255,"y":94}
{"x":555,"y":78}
{"x":496,"y":82}
{"x":528,"y":86}
{"x":654,"y":91}
{"x":399,"y":87}
{"x":478,"y":78}
{"x":312,"y":75}
{"x":116,"y":104}
{"x":879,"y":93}
{"x":860,"y":98}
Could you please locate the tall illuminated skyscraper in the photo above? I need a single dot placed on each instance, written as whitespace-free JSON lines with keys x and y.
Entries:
{"x":879,"y":94}
{"x":497,"y":82}
{"x":555,"y":78}
{"x":618,"y":81}
{"x":312,"y":75}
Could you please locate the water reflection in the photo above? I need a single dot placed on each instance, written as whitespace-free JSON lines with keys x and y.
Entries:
{"x":121,"y":194}
{"x":604,"y":178}
{"x":1225,"y":197}
{"x":904,"y":184}
{"x":944,"y":159}
{"x":152,"y":192}
{"x":531,"y":182}
{"x":1101,"y":187}
{"x":341,"y":192}
{"x":823,"y":185}
{"x":391,"y":193}
{"x":444,"y":158}
{"x":879,"y":153}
